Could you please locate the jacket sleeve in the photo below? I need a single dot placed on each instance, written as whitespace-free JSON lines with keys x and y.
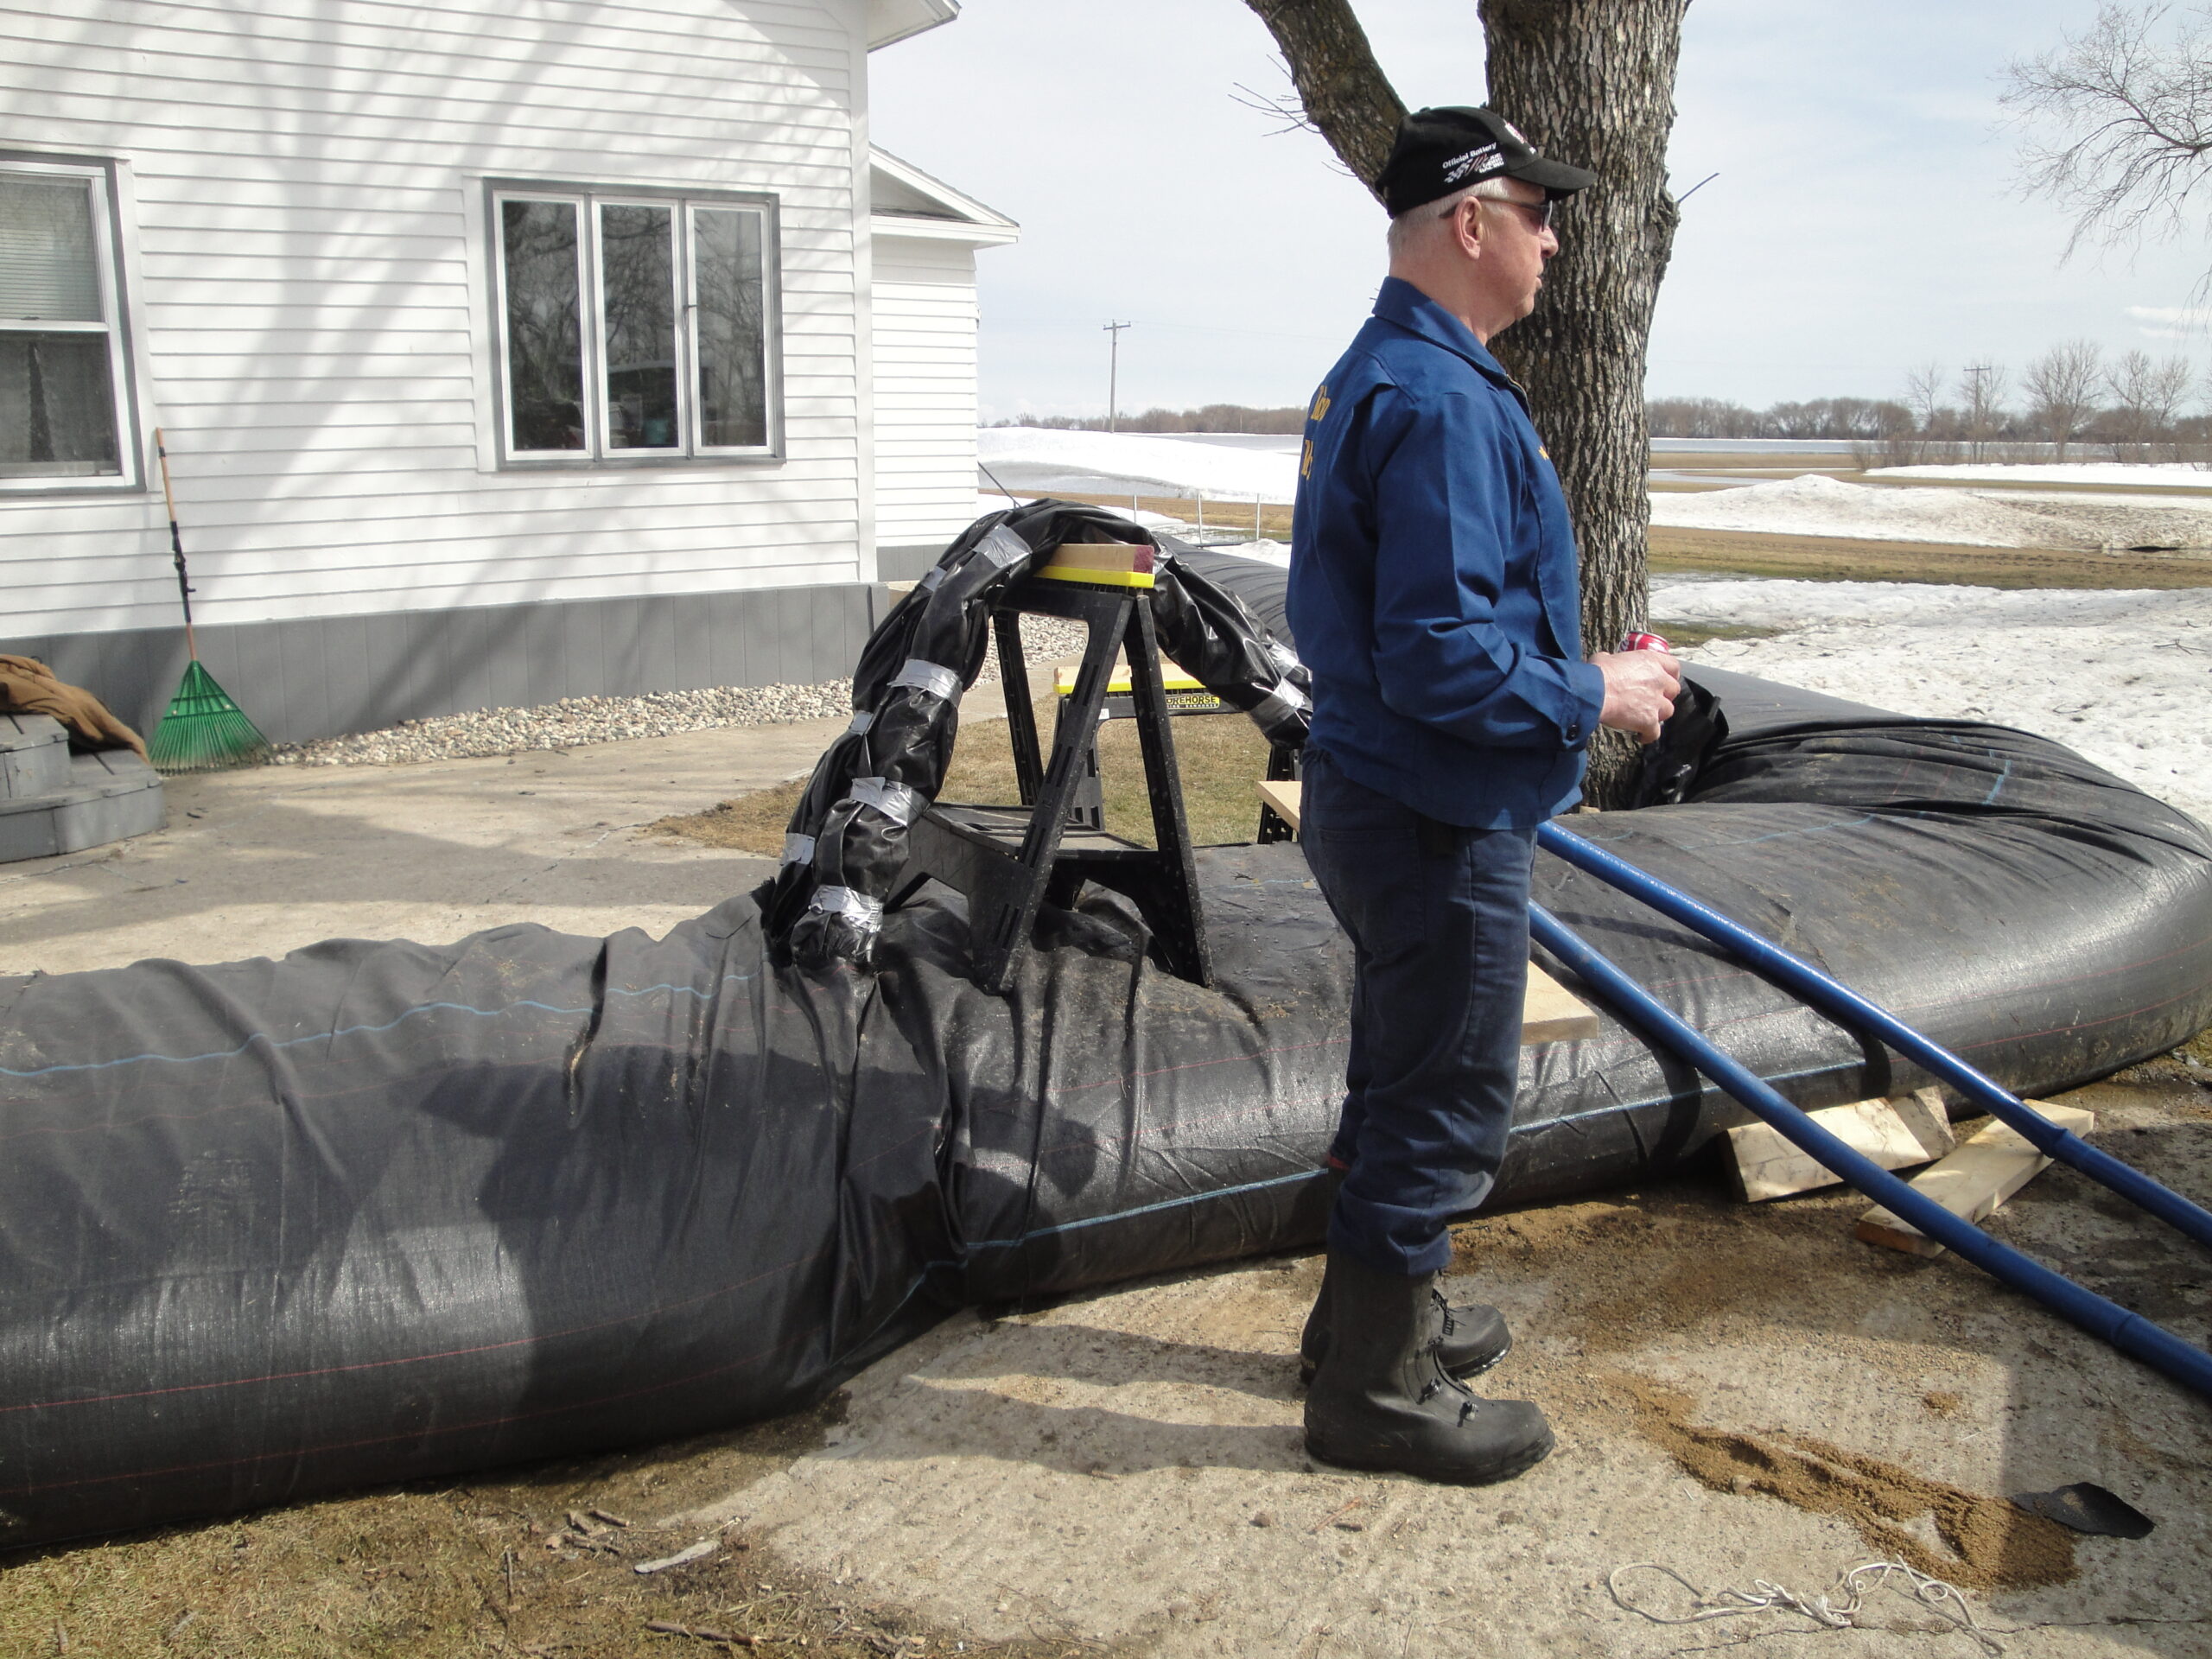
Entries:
{"x":1449,"y":487}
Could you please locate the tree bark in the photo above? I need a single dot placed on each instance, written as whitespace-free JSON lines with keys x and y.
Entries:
{"x":1592,"y":83}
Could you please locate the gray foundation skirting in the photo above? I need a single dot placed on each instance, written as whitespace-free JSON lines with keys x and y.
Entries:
{"x":907,"y":563}
{"x":323,"y":676}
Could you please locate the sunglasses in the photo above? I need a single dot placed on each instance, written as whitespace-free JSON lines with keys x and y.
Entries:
{"x":1540,"y":213}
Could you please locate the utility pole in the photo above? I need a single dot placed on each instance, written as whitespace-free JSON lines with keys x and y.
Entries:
{"x":1113,"y":377}
{"x":1979,"y":406}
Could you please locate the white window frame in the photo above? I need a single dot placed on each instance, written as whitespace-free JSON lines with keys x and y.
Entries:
{"x":99,"y":175}
{"x":587,"y":199}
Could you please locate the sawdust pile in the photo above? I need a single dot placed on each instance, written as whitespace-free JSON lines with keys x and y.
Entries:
{"x":1993,"y":1545}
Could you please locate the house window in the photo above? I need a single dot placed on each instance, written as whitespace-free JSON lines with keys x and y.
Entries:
{"x":635,"y":326}
{"x":63,"y":390}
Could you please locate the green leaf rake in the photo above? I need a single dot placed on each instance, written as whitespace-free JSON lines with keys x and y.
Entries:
{"x":202,"y":730}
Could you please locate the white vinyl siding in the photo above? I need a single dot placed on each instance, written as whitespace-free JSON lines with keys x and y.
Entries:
{"x":316,"y":309}
{"x":924,"y":295}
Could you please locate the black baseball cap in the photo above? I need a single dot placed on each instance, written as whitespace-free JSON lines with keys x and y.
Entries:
{"x":1444,"y":151}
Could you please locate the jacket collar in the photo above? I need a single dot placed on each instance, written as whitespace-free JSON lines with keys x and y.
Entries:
{"x":1402,"y":303}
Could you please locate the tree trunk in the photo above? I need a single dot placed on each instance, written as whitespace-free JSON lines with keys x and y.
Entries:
{"x":1592,"y":83}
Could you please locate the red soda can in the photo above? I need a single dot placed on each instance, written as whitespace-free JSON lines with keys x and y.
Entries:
{"x":1645,"y":642}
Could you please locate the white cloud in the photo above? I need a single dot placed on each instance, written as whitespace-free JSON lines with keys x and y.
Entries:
{"x":2183,"y":316}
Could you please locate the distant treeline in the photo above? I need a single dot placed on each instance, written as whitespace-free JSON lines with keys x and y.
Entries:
{"x":1823,"y":417}
{"x":2130,"y":407}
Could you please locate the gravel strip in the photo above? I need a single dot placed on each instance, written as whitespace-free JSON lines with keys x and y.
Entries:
{"x":575,"y":720}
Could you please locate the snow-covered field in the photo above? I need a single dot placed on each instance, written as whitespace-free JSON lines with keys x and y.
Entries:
{"x":2122,"y":678}
{"x":1036,"y":460}
{"x":1815,"y":504}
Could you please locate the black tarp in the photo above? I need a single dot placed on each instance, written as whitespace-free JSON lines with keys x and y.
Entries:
{"x":384,"y":1210}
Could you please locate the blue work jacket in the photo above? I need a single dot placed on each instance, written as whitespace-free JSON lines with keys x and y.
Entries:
{"x":1432,"y":582}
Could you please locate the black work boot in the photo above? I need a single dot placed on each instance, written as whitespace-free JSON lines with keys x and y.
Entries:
{"x":1470,"y":1338}
{"x":1382,"y":1400}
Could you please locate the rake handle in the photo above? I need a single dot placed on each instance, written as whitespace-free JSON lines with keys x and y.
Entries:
{"x":177,"y":546}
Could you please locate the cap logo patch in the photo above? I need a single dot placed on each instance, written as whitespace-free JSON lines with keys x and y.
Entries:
{"x":1460,"y":166}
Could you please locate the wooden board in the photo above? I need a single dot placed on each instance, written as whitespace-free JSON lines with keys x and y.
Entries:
{"x":1896,"y":1134}
{"x":1283,"y":797}
{"x":1549,"y":1012}
{"x":1988,"y":1168}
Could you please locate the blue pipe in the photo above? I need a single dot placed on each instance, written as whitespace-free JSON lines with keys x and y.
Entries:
{"x":1845,"y":1006}
{"x":2129,"y":1332}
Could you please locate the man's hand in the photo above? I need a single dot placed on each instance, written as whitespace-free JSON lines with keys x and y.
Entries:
{"x":1640,"y":687}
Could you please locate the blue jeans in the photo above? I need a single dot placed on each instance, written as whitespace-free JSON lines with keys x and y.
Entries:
{"x":1438,"y":921}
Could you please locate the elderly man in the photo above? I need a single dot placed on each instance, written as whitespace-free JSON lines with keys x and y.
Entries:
{"x":1432,"y":592}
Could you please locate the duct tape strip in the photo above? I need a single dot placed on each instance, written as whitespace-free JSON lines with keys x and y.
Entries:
{"x":931,"y":578}
{"x":895,"y":801}
{"x":1003,"y":547}
{"x":797,"y":848}
{"x":857,"y":907}
{"x":1284,"y":701}
{"x":1281,"y":655}
{"x":939,"y":683}
{"x":861,"y":722}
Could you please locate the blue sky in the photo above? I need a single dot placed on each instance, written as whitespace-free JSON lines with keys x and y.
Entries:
{"x":1865,"y":220}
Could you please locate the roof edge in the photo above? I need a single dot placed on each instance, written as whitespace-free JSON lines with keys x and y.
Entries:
{"x":890,"y":21}
{"x":957,"y":203}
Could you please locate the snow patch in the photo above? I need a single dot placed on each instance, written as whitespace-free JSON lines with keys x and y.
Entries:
{"x":1815,"y":504}
{"x":1040,"y":460}
{"x":2124,"y":678}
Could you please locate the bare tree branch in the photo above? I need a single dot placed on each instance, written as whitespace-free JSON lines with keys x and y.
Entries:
{"x":1341,"y":91}
{"x":2118,"y":121}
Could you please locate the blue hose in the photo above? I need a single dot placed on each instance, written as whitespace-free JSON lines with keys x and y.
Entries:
{"x":1845,"y":1006}
{"x":2129,"y":1332}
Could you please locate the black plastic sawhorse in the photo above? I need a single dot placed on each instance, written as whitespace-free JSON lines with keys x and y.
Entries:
{"x":1010,"y":860}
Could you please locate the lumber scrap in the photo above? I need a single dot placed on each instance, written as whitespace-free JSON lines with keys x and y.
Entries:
{"x":1988,"y":1168}
{"x":1549,"y":1012}
{"x":1282,"y":796}
{"x":1896,"y":1133}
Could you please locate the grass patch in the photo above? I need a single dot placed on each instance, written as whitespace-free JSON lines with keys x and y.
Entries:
{"x":1838,"y":558}
{"x":1273,"y":517}
{"x":1685,"y":636}
{"x":1221,"y":757}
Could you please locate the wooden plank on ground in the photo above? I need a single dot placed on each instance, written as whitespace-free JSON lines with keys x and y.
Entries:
{"x":1988,"y":1168}
{"x":1549,"y":1012}
{"x":1896,"y":1134}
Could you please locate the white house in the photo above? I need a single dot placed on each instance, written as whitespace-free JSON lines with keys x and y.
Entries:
{"x":501,"y":352}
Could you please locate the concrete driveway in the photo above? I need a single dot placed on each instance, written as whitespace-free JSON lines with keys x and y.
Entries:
{"x":264,"y":862}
